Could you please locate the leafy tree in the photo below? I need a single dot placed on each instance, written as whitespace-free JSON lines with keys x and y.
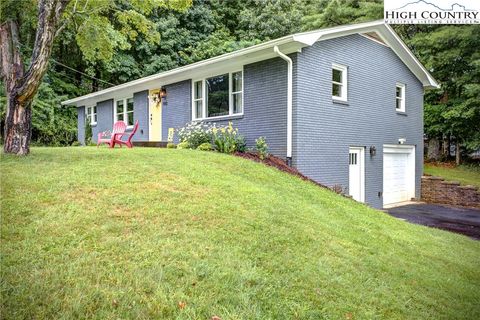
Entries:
{"x":451,"y":53}
{"x":100,"y":28}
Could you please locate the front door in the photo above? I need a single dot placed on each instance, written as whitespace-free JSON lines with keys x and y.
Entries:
{"x":356,"y":172}
{"x":155,"y":116}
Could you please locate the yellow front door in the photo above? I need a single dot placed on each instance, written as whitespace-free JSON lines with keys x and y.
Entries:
{"x":155,"y":117}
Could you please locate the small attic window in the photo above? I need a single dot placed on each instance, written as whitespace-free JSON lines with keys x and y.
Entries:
{"x":339,"y":82}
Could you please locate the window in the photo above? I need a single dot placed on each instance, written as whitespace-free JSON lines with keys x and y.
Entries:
{"x":91,"y":115}
{"x":400,"y":97}
{"x":339,"y":82}
{"x":218,"y":96}
{"x":124,"y":111}
{"x":198,"y":99}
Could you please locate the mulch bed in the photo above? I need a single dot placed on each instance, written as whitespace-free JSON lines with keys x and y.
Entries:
{"x":278,"y":163}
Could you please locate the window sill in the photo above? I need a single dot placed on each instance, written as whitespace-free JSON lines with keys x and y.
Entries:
{"x":93,"y":124}
{"x":220,"y":118}
{"x":401,"y":113}
{"x":337,"y":101}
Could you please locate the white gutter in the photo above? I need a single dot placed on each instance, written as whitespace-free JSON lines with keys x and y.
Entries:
{"x":289,"y":101}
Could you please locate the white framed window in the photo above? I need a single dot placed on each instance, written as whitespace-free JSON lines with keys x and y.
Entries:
{"x":400,"y":97}
{"x":218,"y":96}
{"x":123,"y":111}
{"x":91,"y":115}
{"x":339,"y":82}
{"x":198,"y":100}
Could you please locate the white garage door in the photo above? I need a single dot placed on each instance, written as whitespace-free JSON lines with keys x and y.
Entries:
{"x":398,"y":174}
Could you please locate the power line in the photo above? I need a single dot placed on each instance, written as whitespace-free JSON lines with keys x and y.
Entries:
{"x":83,"y":73}
{"x":68,"y":67}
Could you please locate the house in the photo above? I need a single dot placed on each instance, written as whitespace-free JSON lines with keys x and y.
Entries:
{"x":343,"y":105}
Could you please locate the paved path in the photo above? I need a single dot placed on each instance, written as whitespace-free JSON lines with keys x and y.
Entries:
{"x":459,"y":220}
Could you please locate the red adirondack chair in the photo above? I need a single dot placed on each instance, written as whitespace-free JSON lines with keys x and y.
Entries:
{"x":109,"y":137}
{"x":128,"y":142}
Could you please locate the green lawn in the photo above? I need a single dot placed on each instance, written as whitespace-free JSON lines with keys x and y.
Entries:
{"x":465,"y":174}
{"x":128,"y":234}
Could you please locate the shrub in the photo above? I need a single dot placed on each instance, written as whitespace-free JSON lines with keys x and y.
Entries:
{"x":76,"y":144}
{"x":171,"y":145}
{"x":227,"y":139}
{"x":184,"y":145}
{"x":262,"y":147}
{"x":207,"y":146}
{"x":195,"y":133}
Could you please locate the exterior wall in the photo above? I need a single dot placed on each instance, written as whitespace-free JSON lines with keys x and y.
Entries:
{"x":81,"y":125}
{"x":176,"y":108}
{"x":104,"y":118}
{"x":141,"y":113}
{"x":265,"y":105}
{"x":324,"y":130}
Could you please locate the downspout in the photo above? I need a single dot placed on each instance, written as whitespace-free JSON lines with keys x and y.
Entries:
{"x":289,"y":102}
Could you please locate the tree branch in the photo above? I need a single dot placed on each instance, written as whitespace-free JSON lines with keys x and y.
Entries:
{"x":11,"y":62}
{"x":49,"y":14}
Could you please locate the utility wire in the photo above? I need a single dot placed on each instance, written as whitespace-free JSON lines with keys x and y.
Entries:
{"x":83,"y":73}
{"x":75,"y":70}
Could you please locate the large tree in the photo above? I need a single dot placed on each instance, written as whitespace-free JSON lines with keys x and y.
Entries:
{"x":20,"y":85}
{"x":100,"y":27}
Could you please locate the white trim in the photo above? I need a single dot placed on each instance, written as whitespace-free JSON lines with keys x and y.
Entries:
{"x":401,"y":149}
{"x":362,"y":171}
{"x":401,"y":98}
{"x":374,"y":40}
{"x":204,"y":96}
{"x":289,"y":98}
{"x":125,"y":113}
{"x":93,"y":114}
{"x":263,"y":51}
{"x":343,"y":85}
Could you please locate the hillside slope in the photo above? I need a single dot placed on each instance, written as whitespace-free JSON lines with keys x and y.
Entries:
{"x":160,"y":233}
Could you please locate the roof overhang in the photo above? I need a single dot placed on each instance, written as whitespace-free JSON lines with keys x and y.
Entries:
{"x":263,"y":51}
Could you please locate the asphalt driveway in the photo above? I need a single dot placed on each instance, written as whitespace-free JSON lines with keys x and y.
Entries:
{"x":460,"y":220}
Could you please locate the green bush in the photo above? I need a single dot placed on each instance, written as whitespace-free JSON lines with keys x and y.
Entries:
{"x":76,"y":144}
{"x":262,"y":147}
{"x":184,"y":145}
{"x":171,"y":145}
{"x":207,"y":146}
{"x":227,"y":140}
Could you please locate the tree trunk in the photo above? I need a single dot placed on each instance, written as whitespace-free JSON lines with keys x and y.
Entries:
{"x":21,"y":86}
{"x":433,"y":149}
{"x":458,"y":154}
{"x":17,"y":127}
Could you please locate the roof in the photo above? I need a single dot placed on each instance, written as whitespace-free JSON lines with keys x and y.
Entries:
{"x":288,"y":44}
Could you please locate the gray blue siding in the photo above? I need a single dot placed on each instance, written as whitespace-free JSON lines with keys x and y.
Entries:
{"x":176,"y":109}
{"x":104,"y":118}
{"x":81,"y":125}
{"x":324,"y":130}
{"x":265,"y":105}
{"x":141,"y":114}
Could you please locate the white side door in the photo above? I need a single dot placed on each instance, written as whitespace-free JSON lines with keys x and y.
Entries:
{"x":356,"y":173}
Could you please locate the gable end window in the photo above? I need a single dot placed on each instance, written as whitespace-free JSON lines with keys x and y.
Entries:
{"x":339,"y":82}
{"x":91,"y":115}
{"x":400,"y":97}
{"x":123,"y":111}
{"x":218,"y":96}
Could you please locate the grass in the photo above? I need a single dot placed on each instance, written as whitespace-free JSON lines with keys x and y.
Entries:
{"x":465,"y":174}
{"x":182,"y":234}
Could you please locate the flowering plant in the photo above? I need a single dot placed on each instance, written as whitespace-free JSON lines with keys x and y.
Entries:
{"x":227,"y":140}
{"x":195,"y":133}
